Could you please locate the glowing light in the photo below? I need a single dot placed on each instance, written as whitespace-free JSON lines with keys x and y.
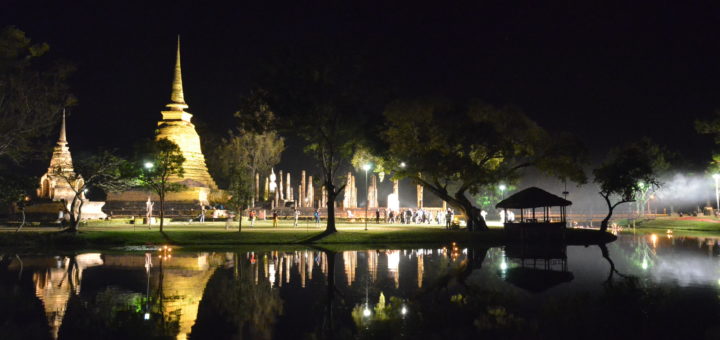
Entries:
{"x":404,"y":310}
{"x":716,"y":176}
{"x":644,"y":264}
{"x":366,"y":312}
{"x":402,"y":164}
{"x":654,"y":239}
{"x":147,"y":316}
{"x":149,"y":165}
{"x":367,"y":166}
{"x":502,"y":187}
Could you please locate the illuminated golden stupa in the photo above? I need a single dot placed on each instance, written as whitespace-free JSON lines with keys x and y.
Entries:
{"x":177,"y":127}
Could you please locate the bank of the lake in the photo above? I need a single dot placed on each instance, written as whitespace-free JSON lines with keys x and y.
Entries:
{"x":210,"y":234}
{"x":705,"y":225}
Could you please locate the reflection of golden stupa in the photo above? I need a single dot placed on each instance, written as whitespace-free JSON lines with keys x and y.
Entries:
{"x":177,"y":127}
{"x":184,"y":278}
{"x":55,"y":285}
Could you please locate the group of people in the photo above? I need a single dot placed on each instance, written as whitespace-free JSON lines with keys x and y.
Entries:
{"x":416,"y":216}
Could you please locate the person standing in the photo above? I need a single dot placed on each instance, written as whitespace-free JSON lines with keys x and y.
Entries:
{"x":251,"y":216}
{"x":377,"y":216}
{"x":316,"y":214}
{"x":275,"y":218}
{"x":448,"y":219}
{"x":297,"y":217}
{"x":202,"y":213}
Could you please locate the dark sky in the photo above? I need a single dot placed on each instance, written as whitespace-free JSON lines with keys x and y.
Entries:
{"x":607,"y":71}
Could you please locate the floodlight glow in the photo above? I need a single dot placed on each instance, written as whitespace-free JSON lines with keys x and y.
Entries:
{"x":147,"y":316}
{"x":403,"y":311}
{"x":149,"y":165}
{"x":366,"y":312}
{"x":402,"y":164}
{"x":366,"y":167}
{"x":502,"y":187}
{"x":716,"y":176}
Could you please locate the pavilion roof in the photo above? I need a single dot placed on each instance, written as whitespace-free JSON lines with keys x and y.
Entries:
{"x":532,"y":197}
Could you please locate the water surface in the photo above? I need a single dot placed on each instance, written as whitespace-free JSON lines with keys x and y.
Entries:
{"x":641,"y":286}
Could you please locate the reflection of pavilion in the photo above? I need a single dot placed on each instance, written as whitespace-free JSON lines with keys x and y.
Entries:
{"x":538,"y":267}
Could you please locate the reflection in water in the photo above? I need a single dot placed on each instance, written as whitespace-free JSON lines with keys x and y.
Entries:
{"x":451,"y":291}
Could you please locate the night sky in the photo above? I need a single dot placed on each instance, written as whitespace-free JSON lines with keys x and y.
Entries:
{"x":607,"y":72}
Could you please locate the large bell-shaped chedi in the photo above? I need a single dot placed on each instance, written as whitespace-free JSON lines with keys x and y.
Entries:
{"x":177,"y":127}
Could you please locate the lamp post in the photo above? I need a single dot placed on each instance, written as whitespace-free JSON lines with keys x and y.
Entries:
{"x":149,"y":165}
{"x":366,"y":167}
{"x":502,"y":188}
{"x":716,"y":177}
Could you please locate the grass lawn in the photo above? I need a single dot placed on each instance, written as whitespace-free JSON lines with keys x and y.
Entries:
{"x":263,"y":233}
{"x":707,"y":224}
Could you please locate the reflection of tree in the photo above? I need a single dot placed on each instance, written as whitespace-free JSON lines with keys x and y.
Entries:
{"x":235,"y":307}
{"x":613,"y":270}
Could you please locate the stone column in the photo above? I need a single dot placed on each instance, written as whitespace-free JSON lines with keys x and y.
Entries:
{"x":257,"y":186}
{"x":310,"y":193}
{"x":302,"y":189}
{"x":281,"y":188}
{"x":373,"y":193}
{"x":353,"y":196}
{"x":266,"y":192}
{"x":299,"y":201}
{"x":419,"y":196}
{"x":444,"y":206}
{"x":288,"y":188}
{"x":324,"y":197}
{"x":348,"y":191}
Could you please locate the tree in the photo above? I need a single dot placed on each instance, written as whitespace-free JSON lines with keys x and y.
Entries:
{"x":241,"y":192}
{"x":455,"y":150}
{"x":15,"y":190}
{"x":165,"y":163}
{"x":626,"y":172}
{"x":102,"y":170}
{"x":33,"y":91}
{"x":322,"y":98}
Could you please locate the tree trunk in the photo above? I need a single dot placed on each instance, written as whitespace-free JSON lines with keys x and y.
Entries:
{"x":162,"y":211}
{"x":22,"y":224}
{"x":611,"y":207}
{"x":240,"y":215}
{"x":475,"y":221}
{"x":331,"y":211}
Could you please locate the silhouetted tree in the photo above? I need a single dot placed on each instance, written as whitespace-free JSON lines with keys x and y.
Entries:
{"x":455,"y":150}
{"x":101,"y":170}
{"x":626,"y":171}
{"x":166,"y":162}
{"x":33,"y":91}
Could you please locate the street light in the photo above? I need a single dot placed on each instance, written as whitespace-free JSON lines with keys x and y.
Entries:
{"x":366,"y":167}
{"x":502,"y":188}
{"x":149,"y":165}
{"x":402,"y":165}
{"x":716,"y":177}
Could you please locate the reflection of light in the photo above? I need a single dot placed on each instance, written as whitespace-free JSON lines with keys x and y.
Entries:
{"x":644,"y":264}
{"x":147,"y":316}
{"x":393,"y":257}
{"x":403,"y":311}
{"x":503,"y":265}
{"x":654,"y":239}
{"x":366,"y":312}
{"x":271,"y":272}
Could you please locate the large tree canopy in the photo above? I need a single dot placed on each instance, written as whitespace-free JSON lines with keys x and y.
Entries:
{"x":454,"y":150}
{"x":629,"y":171}
{"x":33,"y":92}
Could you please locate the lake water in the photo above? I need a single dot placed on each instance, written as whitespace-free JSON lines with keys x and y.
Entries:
{"x":641,"y":286}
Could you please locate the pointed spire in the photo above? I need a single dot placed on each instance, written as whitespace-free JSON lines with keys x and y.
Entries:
{"x":63,"y":135}
{"x":177,"y":97}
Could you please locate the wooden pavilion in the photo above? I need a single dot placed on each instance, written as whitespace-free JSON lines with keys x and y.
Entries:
{"x":532,"y":224}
